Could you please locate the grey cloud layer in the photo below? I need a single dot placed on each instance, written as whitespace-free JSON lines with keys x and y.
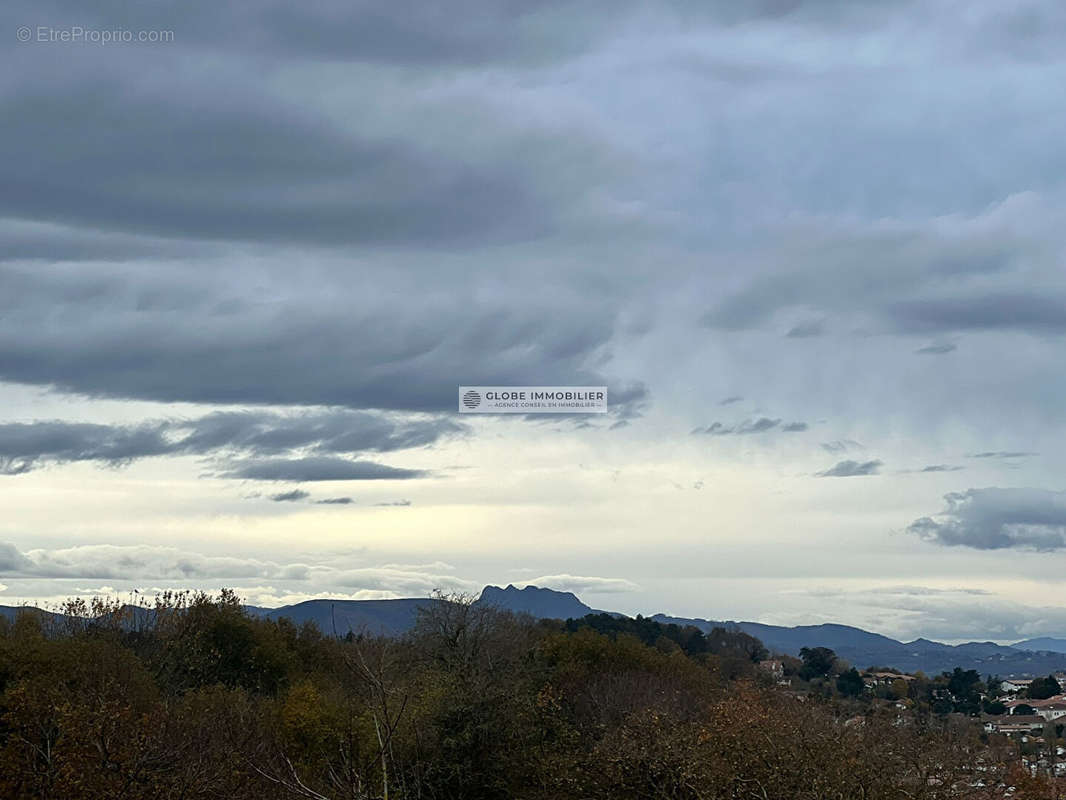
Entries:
{"x":851,"y":469}
{"x":258,"y":434}
{"x":386,"y":132}
{"x":317,"y":468}
{"x":153,"y":562}
{"x":464,"y":33}
{"x":130,"y":334}
{"x":759,"y":425}
{"x":997,"y":518}
{"x":344,"y":572}
{"x":211,"y":168}
{"x":290,"y":497}
{"x":960,"y":274}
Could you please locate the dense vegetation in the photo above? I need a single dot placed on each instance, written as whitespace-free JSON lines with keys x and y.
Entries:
{"x":194,"y":699}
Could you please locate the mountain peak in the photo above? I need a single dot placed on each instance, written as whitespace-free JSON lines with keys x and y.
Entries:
{"x":536,"y":601}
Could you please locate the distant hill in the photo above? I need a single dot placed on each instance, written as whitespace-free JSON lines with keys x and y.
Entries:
{"x":537,"y":602}
{"x":1047,"y":643}
{"x":1030,"y":658}
{"x":10,"y":612}
{"x":864,"y":649}
{"x":382,"y":617}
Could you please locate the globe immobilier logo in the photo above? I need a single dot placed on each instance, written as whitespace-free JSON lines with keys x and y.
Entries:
{"x":532,"y":399}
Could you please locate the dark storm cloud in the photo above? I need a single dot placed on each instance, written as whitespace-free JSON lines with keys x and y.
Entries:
{"x":735,"y":398}
{"x":247,"y":169}
{"x":114,"y":335}
{"x":335,"y":501}
{"x":941,"y":468}
{"x":317,"y":468}
{"x":760,"y":425}
{"x":290,"y":497}
{"x":851,"y":469}
{"x":1002,"y":454}
{"x":998,"y":518}
{"x":26,"y":446}
{"x":295,"y":127}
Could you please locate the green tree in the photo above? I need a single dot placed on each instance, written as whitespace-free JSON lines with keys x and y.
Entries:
{"x":965,"y":688}
{"x":850,"y":683}
{"x":994,"y":707}
{"x":817,"y":662}
{"x":1043,"y":688}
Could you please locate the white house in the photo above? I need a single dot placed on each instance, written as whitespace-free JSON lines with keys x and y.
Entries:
{"x":1015,"y":685}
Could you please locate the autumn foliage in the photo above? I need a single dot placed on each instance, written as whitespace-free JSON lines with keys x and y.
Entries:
{"x":191,"y":698}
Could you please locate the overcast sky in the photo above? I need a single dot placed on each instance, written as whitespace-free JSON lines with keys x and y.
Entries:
{"x":814,"y":248}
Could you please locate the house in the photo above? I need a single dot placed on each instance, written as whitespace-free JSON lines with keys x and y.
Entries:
{"x":872,"y":679}
{"x":775,"y":667}
{"x":1014,"y":724}
{"x":776,"y":670}
{"x":1015,"y":685}
{"x":1050,"y":709}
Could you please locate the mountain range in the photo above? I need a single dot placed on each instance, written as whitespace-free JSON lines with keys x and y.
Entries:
{"x":861,"y":648}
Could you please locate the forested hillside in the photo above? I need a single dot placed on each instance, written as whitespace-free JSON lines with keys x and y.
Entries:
{"x":198,"y":699}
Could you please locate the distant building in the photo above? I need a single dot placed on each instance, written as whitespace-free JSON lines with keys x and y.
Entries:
{"x":776,"y":670}
{"x":1014,"y":724}
{"x":774,"y":667}
{"x":1015,"y":685}
{"x":1050,"y":709}
{"x":872,"y":679}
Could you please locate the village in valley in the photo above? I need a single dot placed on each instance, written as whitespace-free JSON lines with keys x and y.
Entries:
{"x":1023,"y":719}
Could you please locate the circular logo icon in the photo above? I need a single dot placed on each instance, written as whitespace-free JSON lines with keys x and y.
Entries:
{"x":471,"y":399}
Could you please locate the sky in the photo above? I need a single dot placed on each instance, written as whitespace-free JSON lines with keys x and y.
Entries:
{"x":814,"y":248}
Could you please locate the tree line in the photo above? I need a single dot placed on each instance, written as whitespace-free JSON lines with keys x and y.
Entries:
{"x":190,"y":698}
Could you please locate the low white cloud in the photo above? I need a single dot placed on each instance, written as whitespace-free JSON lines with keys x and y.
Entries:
{"x":135,"y":564}
{"x":583,"y":584}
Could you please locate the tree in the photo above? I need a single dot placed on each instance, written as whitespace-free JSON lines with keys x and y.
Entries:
{"x":994,"y":707}
{"x":850,"y":683}
{"x":964,"y":689}
{"x":817,"y":662}
{"x":1043,"y":688}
